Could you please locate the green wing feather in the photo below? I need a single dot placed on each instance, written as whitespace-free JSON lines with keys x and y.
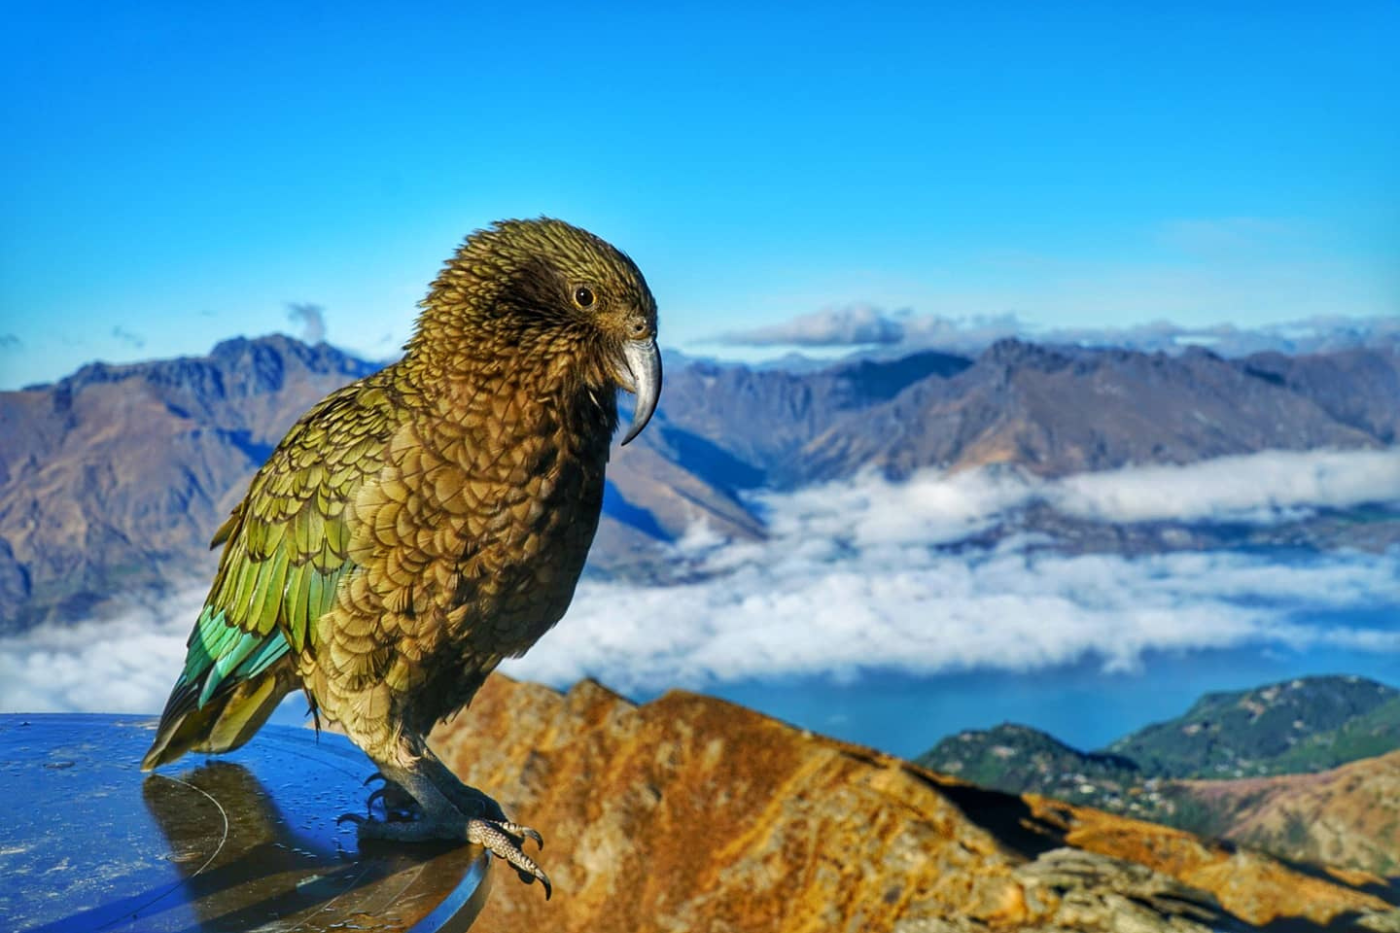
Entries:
{"x":286,"y":546}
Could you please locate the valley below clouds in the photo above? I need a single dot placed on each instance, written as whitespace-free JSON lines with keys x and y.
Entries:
{"x":920,"y":577}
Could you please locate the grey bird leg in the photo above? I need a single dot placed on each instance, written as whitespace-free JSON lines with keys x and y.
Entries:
{"x":447,"y":809}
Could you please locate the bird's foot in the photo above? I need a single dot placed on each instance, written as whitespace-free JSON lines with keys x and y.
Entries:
{"x":501,"y":838}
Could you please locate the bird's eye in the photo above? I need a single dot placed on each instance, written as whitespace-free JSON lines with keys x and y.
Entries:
{"x":584,"y":297}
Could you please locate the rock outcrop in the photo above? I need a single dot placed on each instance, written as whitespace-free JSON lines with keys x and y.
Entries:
{"x":690,"y":813}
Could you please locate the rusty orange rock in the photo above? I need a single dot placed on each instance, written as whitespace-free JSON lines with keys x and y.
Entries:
{"x":689,"y":813}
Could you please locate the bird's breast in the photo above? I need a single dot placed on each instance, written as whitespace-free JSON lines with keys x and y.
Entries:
{"x":474,"y":536}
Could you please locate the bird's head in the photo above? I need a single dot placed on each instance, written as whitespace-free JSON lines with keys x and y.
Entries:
{"x":578,"y":306}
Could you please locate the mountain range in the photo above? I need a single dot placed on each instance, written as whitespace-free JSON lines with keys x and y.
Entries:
{"x":113,"y":479}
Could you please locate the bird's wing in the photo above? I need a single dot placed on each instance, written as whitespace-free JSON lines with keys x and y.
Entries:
{"x":286,"y":546}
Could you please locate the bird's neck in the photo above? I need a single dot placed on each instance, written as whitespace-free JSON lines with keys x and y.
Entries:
{"x":519,"y":393}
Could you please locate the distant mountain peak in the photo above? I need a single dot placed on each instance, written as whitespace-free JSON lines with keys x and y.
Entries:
{"x":1013,"y":351}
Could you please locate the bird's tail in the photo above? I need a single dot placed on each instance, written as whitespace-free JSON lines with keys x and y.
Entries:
{"x":225,"y":721}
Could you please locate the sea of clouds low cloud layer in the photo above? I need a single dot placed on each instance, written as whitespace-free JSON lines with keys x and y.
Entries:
{"x":861,"y":575}
{"x":922,"y":612}
{"x":1257,"y":487}
{"x":869,"y":574}
{"x":122,"y":664}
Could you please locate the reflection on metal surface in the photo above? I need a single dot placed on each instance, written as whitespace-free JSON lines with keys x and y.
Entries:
{"x":247,"y":842}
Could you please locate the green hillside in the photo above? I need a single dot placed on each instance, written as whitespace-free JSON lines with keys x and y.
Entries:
{"x":1366,"y":736}
{"x":1018,"y":759}
{"x":1298,"y":726}
{"x":1308,"y":724}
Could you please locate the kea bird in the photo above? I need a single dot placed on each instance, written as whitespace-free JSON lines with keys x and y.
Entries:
{"x":419,"y":526}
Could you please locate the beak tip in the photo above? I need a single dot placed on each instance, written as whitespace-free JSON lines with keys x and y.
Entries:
{"x":643,"y":362}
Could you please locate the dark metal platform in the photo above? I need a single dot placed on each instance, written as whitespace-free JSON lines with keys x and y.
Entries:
{"x":247,"y":841}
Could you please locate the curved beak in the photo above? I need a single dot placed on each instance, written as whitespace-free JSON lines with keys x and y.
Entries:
{"x":643,"y":364}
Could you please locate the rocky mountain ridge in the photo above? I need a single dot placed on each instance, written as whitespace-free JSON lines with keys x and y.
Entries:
{"x":1057,"y":410}
{"x":113,"y":479}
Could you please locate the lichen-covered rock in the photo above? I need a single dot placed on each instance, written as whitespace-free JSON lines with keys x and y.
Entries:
{"x":689,"y":813}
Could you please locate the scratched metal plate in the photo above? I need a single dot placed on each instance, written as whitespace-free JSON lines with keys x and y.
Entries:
{"x":241,"y":842}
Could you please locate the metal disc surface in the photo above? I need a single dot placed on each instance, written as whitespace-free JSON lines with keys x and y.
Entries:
{"x":245,"y":841}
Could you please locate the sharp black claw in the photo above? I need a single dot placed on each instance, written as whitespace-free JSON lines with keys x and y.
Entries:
{"x":376,"y":776}
{"x":350,"y":818}
{"x":530,"y":878}
{"x":534,"y":834}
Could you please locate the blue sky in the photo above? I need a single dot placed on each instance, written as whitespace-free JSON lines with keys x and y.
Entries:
{"x":176,"y":175}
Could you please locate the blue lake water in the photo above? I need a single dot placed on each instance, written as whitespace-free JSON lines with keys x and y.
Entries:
{"x":1081,"y":704}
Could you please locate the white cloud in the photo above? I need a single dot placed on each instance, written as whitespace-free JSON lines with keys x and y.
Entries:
{"x":135,"y":341}
{"x":122,"y":664}
{"x":850,"y":326}
{"x":1255,"y":487}
{"x":924,"y":611}
{"x":874,"y":574}
{"x":864,"y":325}
{"x":311,"y":317}
{"x":934,"y":507}
{"x":856,"y":575}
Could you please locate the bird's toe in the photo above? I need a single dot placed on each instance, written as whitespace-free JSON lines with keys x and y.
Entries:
{"x":502,"y":839}
{"x":524,"y":832}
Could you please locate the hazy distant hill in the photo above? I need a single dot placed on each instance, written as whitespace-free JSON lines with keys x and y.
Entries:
{"x":1348,"y":816}
{"x":1297,"y":726}
{"x":749,"y":426}
{"x":1055,"y":411}
{"x":114,"y":478}
{"x":1357,"y":387}
{"x":1016,"y":756}
{"x":1331,"y":797}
